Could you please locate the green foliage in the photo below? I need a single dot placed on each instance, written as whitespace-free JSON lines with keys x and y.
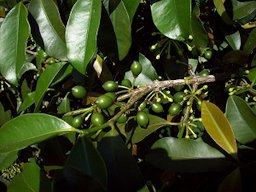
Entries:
{"x":123,"y":95}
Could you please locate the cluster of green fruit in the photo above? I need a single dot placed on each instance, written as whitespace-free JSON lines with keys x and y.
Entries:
{"x":156,"y":101}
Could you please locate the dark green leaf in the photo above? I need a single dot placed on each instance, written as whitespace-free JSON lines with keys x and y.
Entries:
{"x":234,"y":40}
{"x":242,"y":119}
{"x":123,"y":172}
{"x":122,"y":27}
{"x":81,"y":33}
{"x":250,"y":42}
{"x":148,"y":74}
{"x":51,"y":28}
{"x":4,"y":115}
{"x":155,"y":123}
{"x":172,"y":18}
{"x":14,"y":32}
{"x":27,"y":102}
{"x":232,"y":182}
{"x":27,"y":129}
{"x":252,"y":75}
{"x":243,"y":12}
{"x":63,"y":74}
{"x":218,"y":127}
{"x":45,"y":80}
{"x":85,"y":158}
{"x":131,"y":7}
{"x":6,"y":159}
{"x":185,"y":155}
{"x":219,"y":4}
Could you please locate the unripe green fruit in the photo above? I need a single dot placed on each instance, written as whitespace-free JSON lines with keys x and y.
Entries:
{"x":77,"y":121}
{"x":142,"y":119}
{"x":208,"y":54}
{"x":110,"y":86}
{"x":97,"y":119}
{"x":111,"y":95}
{"x":174,"y":109}
{"x":126,"y":83}
{"x":136,"y":68}
{"x":142,"y":106}
{"x":204,"y":72}
{"x":122,"y":119}
{"x":178,"y":97}
{"x":78,"y":91}
{"x":157,"y":107}
{"x":104,"y":101}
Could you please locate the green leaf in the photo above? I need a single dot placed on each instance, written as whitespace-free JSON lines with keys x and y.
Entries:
{"x":64,"y":106}
{"x":243,"y":12}
{"x":148,"y":74}
{"x":30,"y":180}
{"x":200,"y":38}
{"x":44,"y":81}
{"x":252,"y":75}
{"x":172,"y":18}
{"x":65,"y":71}
{"x":85,"y":158}
{"x":185,"y":155}
{"x":250,"y":42}
{"x":6,"y":159}
{"x":155,"y":123}
{"x":28,"y":129}
{"x":218,"y":127}
{"x":4,"y":115}
{"x":27,"y":102}
{"x":81,"y":33}
{"x":234,"y":40}
{"x":121,"y":166}
{"x":131,"y":7}
{"x":51,"y":28}
{"x":219,"y":4}
{"x":14,"y":31}
{"x":242,"y":119}
{"x":122,"y":28}
{"x":232,"y":182}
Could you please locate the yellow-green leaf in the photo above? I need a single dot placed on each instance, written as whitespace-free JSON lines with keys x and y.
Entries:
{"x":218,"y":127}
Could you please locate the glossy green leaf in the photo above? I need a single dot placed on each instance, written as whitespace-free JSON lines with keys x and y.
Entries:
{"x":234,"y":40}
{"x":252,"y":75}
{"x":64,"y":106}
{"x":242,"y":119}
{"x":121,"y":166}
{"x":243,"y":12}
{"x":51,"y":28}
{"x":155,"y":123}
{"x":172,"y":18}
{"x":86,"y":158}
{"x":26,"y":67}
{"x":28,"y":129}
{"x":65,"y":71}
{"x":218,"y":127}
{"x":122,"y":28}
{"x":200,"y":38}
{"x":14,"y":31}
{"x":44,"y":82}
{"x":4,"y":115}
{"x":219,"y":4}
{"x":185,"y":155}
{"x":81,"y":33}
{"x":29,"y":180}
{"x":250,"y":42}
{"x":7,"y":159}
{"x":232,"y":182}
{"x":131,"y":7}
{"x":148,"y":74}
{"x":29,"y":100}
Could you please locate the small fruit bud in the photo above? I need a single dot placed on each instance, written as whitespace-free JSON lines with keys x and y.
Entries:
{"x":158,"y":56}
{"x":190,"y":37}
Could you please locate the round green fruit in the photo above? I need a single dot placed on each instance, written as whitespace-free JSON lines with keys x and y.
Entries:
{"x":78,"y":91}
{"x":208,"y":54}
{"x":136,"y":68}
{"x":126,"y":83}
{"x":110,"y":86}
{"x":178,"y":96}
{"x":204,"y":72}
{"x":77,"y":121}
{"x":111,"y":95}
{"x":142,"y":118}
{"x":104,"y":101}
{"x":142,"y":106}
{"x":122,"y":119}
{"x":157,"y":107}
{"x":174,"y":109}
{"x":97,"y":119}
